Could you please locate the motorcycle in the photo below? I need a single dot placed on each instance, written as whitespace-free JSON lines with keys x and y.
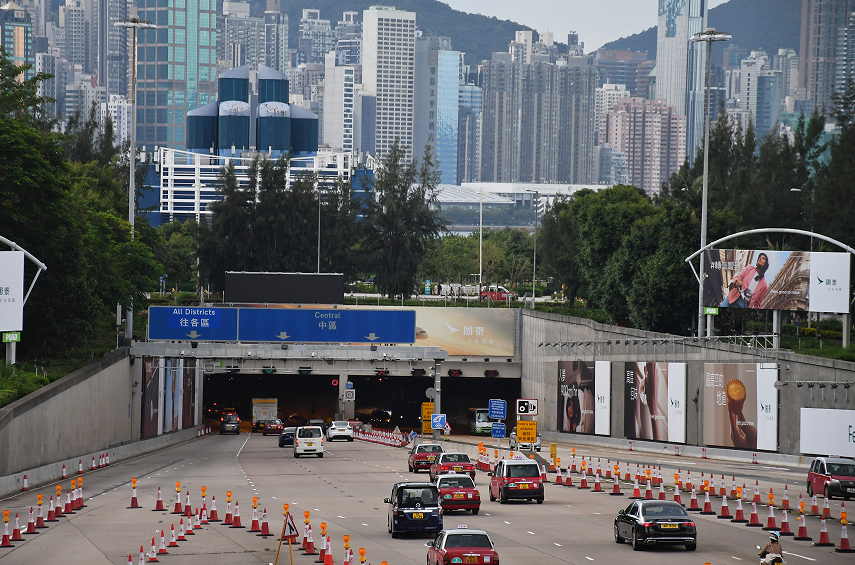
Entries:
{"x":775,"y":561}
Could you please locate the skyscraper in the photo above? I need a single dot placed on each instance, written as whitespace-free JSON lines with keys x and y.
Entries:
{"x":176,"y":67}
{"x":339,"y":104}
{"x":111,"y":46}
{"x":240,"y":38}
{"x":16,"y":35}
{"x":317,"y":38}
{"x":846,"y":53}
{"x":760,"y":91}
{"x":821,"y":23}
{"x":681,"y":64}
{"x":276,"y":37}
{"x":388,"y":56}
{"x":468,"y":134}
{"x":72,"y":18}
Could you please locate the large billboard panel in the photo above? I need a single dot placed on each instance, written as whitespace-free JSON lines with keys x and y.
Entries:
{"x":584,"y":397}
{"x":776,"y":280}
{"x":655,"y":401}
{"x":150,"y":396}
{"x":741,"y":405}
{"x":480,"y":332}
{"x":825,"y":430}
{"x":11,"y":291}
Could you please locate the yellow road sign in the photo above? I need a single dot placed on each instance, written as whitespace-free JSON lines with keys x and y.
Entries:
{"x":526,"y":431}
{"x":427,"y":410}
{"x":426,"y":429}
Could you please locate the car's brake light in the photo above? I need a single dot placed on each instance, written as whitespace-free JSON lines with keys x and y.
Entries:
{"x":221,"y":419}
{"x":646,"y":524}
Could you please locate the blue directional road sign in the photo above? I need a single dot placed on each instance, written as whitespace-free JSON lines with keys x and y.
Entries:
{"x":193,"y":323}
{"x":309,"y":325}
{"x":437,"y":421}
{"x":498,"y":409}
{"x":498,"y":430}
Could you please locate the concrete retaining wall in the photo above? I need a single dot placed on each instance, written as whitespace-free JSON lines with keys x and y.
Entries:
{"x":540,"y":371}
{"x":91,"y":410}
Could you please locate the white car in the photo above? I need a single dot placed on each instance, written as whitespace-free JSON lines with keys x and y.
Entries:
{"x":340,"y":429}
{"x":309,"y":440}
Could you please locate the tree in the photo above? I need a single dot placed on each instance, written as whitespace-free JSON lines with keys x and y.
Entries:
{"x":402,"y":219}
{"x":19,"y":97}
{"x":560,"y":236}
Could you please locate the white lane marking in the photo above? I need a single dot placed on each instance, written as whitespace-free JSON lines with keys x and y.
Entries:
{"x":735,"y":557}
{"x":597,"y":513}
{"x":532,"y":533}
{"x":797,"y":555}
{"x":364,"y":524}
{"x":569,"y":506}
{"x":340,"y":517}
{"x":317,"y":509}
{"x":589,"y":558}
{"x":486,"y":513}
{"x":508,"y":523}
{"x":558,"y":544}
{"x":273,"y":497}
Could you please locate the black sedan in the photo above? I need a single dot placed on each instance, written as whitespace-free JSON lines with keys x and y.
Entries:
{"x":655,"y":522}
{"x":287,"y":436}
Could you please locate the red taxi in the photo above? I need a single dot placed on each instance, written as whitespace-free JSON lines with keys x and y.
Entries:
{"x":452,"y":462}
{"x":273,"y":426}
{"x":516,"y":479}
{"x":422,"y":456}
{"x":462,"y":546}
{"x":458,"y":492}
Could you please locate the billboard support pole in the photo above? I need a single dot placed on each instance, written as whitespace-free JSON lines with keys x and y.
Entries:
{"x":776,"y":329}
{"x":437,"y":385}
{"x":846,"y":330}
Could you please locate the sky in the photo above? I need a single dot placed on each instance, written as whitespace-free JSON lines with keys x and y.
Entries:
{"x":597,"y":21}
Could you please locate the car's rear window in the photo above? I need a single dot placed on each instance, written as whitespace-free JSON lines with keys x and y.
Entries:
{"x":273,"y":422}
{"x":230,"y":418}
{"x":409,"y":497}
{"x":455,"y":458}
{"x":840,"y":469}
{"x":663,"y":511}
{"x":456,"y":482}
{"x":429,"y":449}
{"x":522,"y":471}
{"x":340,"y":424}
{"x":468,"y":540}
{"x":309,"y":432}
{"x":289,"y":431}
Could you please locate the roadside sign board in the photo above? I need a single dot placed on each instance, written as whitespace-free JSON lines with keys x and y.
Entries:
{"x":427,"y":410}
{"x":11,"y":337}
{"x":437,"y":421}
{"x":498,"y":409}
{"x":498,"y":430}
{"x":348,"y":384}
{"x":350,"y":394}
{"x":526,"y":407}
{"x":12,"y":291}
{"x":710,"y":311}
{"x":526,"y":431}
{"x":426,"y":426}
{"x":553,"y":450}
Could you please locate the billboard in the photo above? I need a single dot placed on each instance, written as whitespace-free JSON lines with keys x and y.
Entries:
{"x":824,"y":430}
{"x":584,"y":397}
{"x":776,"y":280}
{"x":655,"y":401}
{"x":480,"y":332}
{"x":284,"y":288}
{"x":741,"y":405}
{"x":150,"y":396}
{"x":11,"y":291}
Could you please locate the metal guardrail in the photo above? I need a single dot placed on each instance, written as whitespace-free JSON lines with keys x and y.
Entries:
{"x":762,"y":345}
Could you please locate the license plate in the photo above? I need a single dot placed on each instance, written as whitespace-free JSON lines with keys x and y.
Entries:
{"x":668,"y":526}
{"x":850,"y":490}
{"x":457,"y":495}
{"x":458,"y":469}
{"x":310,"y":444}
{"x":523,"y":485}
{"x":418,"y":515}
{"x":431,"y":457}
{"x":471,"y":559}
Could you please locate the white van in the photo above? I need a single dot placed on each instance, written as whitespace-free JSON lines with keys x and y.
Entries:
{"x":309,"y":440}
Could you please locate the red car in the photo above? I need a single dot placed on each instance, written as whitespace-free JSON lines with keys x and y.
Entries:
{"x":516,"y":479}
{"x":832,"y":476}
{"x":452,"y":463}
{"x":498,"y":293}
{"x":272,"y":427}
{"x":458,"y":492}
{"x":422,"y":456}
{"x":462,"y":546}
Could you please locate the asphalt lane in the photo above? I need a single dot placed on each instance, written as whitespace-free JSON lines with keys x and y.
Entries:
{"x":345,"y":489}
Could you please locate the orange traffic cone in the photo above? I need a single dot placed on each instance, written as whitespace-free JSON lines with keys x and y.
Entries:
{"x":823,"y":535}
{"x":725,"y":511}
{"x":31,"y":523}
{"x":236,"y":517}
{"x":188,"y":531}
{"x":693,"y":503}
{"x":616,"y":489}
{"x":188,"y":508}
{"x":6,"y":540}
{"x":770,"y":520}
{"x":597,"y":486}
{"x":721,"y":489}
{"x":739,"y":518}
{"x":310,"y":541}
{"x":134,"y":502}
{"x":197,"y":525}
{"x":51,"y":515}
{"x":152,"y":555}
{"x":162,"y":549}
{"x":648,"y":491}
{"x":754,"y":522}
{"x":785,"y":524}
{"x":173,"y":542}
{"x":328,"y":560}
{"x":814,"y":508}
{"x":661,"y":489}
{"x":568,"y":480}
{"x":40,"y":520}
{"x":707,"y":511}
{"x":636,"y":491}
{"x":543,"y":472}
{"x":785,"y":501}
{"x":826,"y":511}
{"x":142,"y":556}
{"x":733,"y":487}
{"x":254,"y":526}
{"x":626,"y":477}
{"x":584,"y":481}
{"x":844,"y":541}
{"x":265,"y":527}
{"x":323,"y":552}
{"x":677,"y":498}
{"x":159,"y":505}
{"x":213,"y":517}
{"x":181,"y":531}
{"x":802,"y":534}
{"x":687,"y":487}
{"x":229,"y":517}
{"x":558,"y":479}
{"x":177,"y":509}
{"x":16,"y":531}
{"x":756,"y":498}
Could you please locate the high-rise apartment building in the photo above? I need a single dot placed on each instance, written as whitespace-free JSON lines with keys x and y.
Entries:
{"x":607,"y":96}
{"x":317,"y":38}
{"x":846,"y":53}
{"x":111,"y":45}
{"x":388,"y":55}
{"x":16,"y":35}
{"x":469,"y":134}
{"x":276,"y":54}
{"x":48,"y":63}
{"x":521,"y":48}
{"x":787,"y":62}
{"x":176,"y":67}
{"x":537,"y":122}
{"x":821,"y":24}
{"x":340,"y":128}
{"x":240,"y":38}
{"x":72,"y":18}
{"x":438,"y":76}
{"x":651,"y":134}
{"x":620,"y":67}
{"x":611,"y":164}
{"x":681,"y":64}
{"x":760,"y":91}
{"x":119,"y":110}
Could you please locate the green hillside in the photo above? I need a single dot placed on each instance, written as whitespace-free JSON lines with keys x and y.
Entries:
{"x":476,"y":35}
{"x":754,"y":24}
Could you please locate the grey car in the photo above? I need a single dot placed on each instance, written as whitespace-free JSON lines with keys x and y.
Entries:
{"x":230,"y":424}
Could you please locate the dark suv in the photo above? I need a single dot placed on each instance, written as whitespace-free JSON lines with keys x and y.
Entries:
{"x":230,"y":423}
{"x":414,"y":507}
{"x":832,"y":476}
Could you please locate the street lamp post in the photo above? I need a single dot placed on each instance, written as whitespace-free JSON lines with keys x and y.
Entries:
{"x":480,"y":240}
{"x":707,"y":36}
{"x":319,"y":229}
{"x":133,"y":24}
{"x":535,"y":203}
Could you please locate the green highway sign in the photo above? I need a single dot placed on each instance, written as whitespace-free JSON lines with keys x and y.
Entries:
{"x":9,"y":337}
{"x":710,"y":311}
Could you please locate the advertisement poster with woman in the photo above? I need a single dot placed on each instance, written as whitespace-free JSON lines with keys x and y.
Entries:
{"x":740,"y":404}
{"x":584,"y":397}
{"x":151,"y":396}
{"x":654,"y":401}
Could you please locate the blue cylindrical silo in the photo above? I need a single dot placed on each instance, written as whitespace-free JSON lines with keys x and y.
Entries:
{"x":233,"y":128}
{"x":234,"y":84}
{"x":304,"y":131}
{"x":272,"y":85}
{"x":273,"y":133}
{"x":201,"y":136}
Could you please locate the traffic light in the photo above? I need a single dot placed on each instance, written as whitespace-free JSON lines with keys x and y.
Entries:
{"x":334,"y":382}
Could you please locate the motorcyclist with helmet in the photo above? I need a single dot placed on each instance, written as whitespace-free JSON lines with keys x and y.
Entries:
{"x":772,"y":552}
